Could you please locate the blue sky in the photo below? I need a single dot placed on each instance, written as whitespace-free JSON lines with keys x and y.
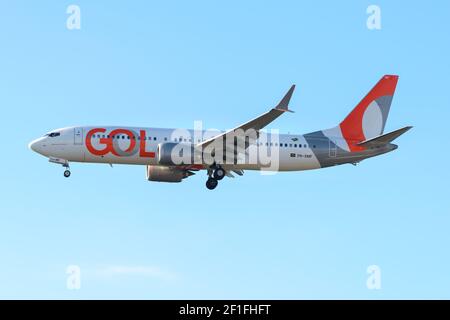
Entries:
{"x":297,"y":235}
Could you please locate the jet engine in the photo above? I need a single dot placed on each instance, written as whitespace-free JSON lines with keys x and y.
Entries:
{"x":167,"y":174}
{"x":171,"y":153}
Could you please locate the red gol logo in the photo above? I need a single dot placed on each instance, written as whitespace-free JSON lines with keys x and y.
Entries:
{"x":111,"y":143}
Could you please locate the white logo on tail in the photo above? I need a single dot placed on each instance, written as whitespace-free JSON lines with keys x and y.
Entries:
{"x":372,"y":121}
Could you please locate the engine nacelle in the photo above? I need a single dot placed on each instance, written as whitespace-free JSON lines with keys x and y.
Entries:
{"x":171,"y":154}
{"x":166,"y":174}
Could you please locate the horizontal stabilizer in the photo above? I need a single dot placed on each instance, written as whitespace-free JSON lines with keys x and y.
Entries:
{"x":384,"y":138}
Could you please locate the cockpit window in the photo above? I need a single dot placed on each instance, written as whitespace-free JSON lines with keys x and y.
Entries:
{"x":53,"y":134}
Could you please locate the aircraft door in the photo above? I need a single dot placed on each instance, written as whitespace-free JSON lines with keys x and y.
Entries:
{"x":332,"y":149}
{"x":78,"y":136}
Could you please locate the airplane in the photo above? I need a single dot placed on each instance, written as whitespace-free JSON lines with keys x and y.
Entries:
{"x":171,"y":155}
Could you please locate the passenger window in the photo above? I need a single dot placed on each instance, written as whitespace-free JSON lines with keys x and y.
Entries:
{"x":154,"y":138}
{"x":295,"y":145}
{"x":290,"y":145}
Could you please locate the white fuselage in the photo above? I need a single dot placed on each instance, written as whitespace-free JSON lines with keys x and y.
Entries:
{"x":134,"y":145}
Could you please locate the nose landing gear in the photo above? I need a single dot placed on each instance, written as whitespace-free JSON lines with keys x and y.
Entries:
{"x":62,"y":162}
{"x":65,"y":164}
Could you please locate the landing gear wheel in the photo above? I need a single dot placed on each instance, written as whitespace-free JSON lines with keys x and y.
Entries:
{"x":219,"y":173}
{"x":211,"y":183}
{"x":67,"y":173}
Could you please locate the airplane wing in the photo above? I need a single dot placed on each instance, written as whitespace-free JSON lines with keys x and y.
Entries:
{"x":255,"y":124}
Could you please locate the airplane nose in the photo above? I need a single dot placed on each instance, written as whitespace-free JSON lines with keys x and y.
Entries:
{"x":36,"y":145}
{"x":32,"y":145}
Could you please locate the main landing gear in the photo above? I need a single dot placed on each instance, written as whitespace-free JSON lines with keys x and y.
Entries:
{"x":211,"y":183}
{"x":215,"y":174}
{"x":219,"y":173}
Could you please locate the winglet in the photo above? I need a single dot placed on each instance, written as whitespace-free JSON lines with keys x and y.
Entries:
{"x":284,"y":103}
